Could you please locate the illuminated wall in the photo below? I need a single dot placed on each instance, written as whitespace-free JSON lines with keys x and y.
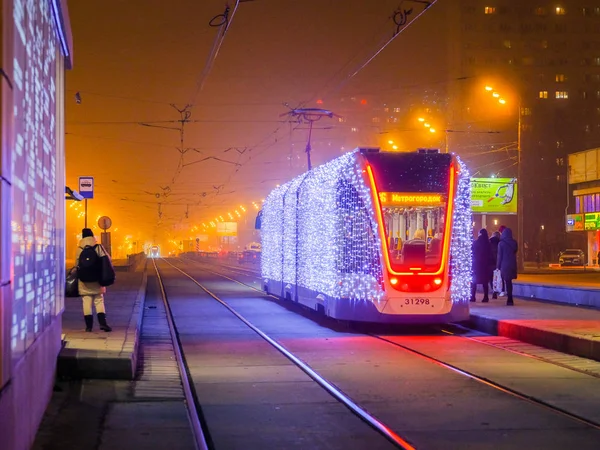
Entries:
{"x":35,"y":50}
{"x":37,"y":177}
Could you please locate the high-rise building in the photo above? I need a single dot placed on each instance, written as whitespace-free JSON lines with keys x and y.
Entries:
{"x":543,"y":60}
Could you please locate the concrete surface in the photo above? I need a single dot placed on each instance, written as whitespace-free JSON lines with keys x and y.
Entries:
{"x":564,"y":328}
{"x":99,"y":354}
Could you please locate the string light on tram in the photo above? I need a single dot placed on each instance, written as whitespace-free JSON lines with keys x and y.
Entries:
{"x":461,"y":264}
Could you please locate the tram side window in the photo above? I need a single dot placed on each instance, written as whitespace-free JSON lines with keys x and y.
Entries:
{"x":359,"y":253}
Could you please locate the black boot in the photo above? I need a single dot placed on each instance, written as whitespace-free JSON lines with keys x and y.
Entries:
{"x":89,"y":323}
{"x":102,"y":321}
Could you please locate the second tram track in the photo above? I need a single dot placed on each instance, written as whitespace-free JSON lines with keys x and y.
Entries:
{"x":483,"y":380}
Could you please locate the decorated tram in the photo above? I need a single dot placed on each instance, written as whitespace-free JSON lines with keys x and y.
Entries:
{"x":373,"y":236}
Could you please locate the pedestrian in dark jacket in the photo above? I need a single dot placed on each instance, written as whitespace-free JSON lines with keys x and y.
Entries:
{"x":507,"y":262}
{"x":494,"y":241}
{"x":482,"y":258}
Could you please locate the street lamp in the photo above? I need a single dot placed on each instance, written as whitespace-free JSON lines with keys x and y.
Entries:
{"x":520,"y":211}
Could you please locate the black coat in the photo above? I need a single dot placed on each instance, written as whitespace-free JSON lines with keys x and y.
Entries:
{"x":494,"y":241}
{"x":507,"y":255}
{"x":482,"y":260}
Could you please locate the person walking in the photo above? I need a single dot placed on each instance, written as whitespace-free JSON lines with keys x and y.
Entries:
{"x":494,"y":241}
{"x":89,"y":265}
{"x":507,"y":262}
{"x":482,"y":258}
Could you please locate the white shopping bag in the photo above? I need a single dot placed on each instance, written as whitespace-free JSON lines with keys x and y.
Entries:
{"x":497,"y":281}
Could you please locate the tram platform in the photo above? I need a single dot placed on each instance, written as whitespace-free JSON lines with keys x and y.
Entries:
{"x":99,"y":354}
{"x":582,"y":288}
{"x":568,"y":329}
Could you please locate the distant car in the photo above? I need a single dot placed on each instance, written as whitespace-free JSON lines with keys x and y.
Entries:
{"x":571,"y":257}
{"x":249,"y":256}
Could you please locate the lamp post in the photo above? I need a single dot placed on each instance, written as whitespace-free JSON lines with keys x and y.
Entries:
{"x":520,"y":209}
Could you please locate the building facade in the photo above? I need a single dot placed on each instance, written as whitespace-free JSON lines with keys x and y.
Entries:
{"x":544,"y":58}
{"x":583,"y":211}
{"x":36,"y":51}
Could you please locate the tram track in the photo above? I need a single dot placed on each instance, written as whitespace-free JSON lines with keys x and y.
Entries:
{"x":363,"y":415}
{"x":456,"y":330}
{"x":451,"y":330}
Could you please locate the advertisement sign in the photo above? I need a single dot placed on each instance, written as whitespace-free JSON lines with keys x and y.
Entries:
{"x":227,"y":228}
{"x":592,"y":221}
{"x":575,"y":222}
{"x":494,"y":195}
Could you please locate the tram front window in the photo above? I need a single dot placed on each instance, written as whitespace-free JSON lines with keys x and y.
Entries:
{"x":414,"y":228}
{"x":413,"y":190}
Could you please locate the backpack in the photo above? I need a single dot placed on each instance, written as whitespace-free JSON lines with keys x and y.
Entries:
{"x":89,"y":264}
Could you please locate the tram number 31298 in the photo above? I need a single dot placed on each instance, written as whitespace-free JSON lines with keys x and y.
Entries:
{"x":416,"y":301}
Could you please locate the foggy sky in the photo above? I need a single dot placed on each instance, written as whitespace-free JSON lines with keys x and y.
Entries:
{"x":133,"y":58}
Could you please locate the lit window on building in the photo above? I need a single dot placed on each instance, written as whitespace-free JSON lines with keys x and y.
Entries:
{"x":375,"y":120}
{"x":588,"y":128}
{"x":490,"y":10}
{"x":527,"y":61}
{"x":560,"y":144}
{"x":560,"y":11}
{"x":560,"y":78}
{"x":543,"y":94}
{"x":561,"y":94}
{"x":597,"y":11}
{"x":596,"y":61}
{"x":341,"y":119}
{"x":354,"y":129}
{"x":584,"y":95}
{"x":525,"y":111}
{"x":396,"y":109}
{"x":597,"y":94}
{"x":507,"y":44}
{"x":540,"y":11}
{"x":586,"y":11}
{"x":544,"y":44}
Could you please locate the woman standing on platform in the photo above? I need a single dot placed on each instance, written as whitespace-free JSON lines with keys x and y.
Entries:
{"x":91,"y":291}
{"x":482,"y":258}
{"x":507,"y":262}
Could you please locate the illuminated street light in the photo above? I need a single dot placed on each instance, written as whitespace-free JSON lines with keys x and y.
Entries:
{"x":390,"y":142}
{"x":432,"y":130}
{"x":502,"y":101}
{"x":489,"y":88}
{"x":426,"y":125}
{"x":395,"y":147}
{"x":496,"y":95}
{"x":421,"y":119}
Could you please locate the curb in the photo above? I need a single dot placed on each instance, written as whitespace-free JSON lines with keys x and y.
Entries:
{"x":564,"y":343}
{"x":116,"y":365}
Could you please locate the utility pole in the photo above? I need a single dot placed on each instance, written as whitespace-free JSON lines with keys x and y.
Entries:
{"x":310,"y":116}
{"x":520,"y":209}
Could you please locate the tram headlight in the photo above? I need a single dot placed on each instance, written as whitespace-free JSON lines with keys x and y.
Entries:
{"x":437,"y":281}
{"x":394,"y":280}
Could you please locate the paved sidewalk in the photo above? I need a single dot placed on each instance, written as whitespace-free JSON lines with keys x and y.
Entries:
{"x":568,"y":329}
{"x":99,"y":354}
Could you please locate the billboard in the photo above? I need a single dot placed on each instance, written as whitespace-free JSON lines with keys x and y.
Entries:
{"x":494,"y":195}
{"x":575,"y":222}
{"x":227,"y":228}
{"x":592,"y":221}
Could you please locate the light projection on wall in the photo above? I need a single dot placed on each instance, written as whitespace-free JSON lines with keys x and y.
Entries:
{"x":36,"y":163}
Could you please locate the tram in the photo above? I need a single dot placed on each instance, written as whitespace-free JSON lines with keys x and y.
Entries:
{"x":373,"y":236}
{"x":155,"y":252}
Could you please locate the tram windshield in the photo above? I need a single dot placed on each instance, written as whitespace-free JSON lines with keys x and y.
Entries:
{"x":413,"y":192}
